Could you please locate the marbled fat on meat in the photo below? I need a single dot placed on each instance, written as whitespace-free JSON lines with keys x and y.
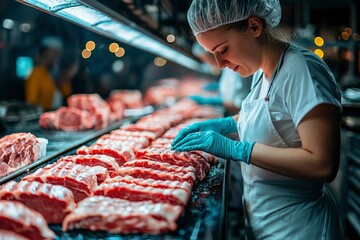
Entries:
{"x":141,"y":172}
{"x":152,"y":183}
{"x":93,"y":160}
{"x":18,"y":150}
{"x":136,"y":193}
{"x":52,"y":201}
{"x":121,"y":216}
{"x":81,"y":180}
{"x":16,"y":217}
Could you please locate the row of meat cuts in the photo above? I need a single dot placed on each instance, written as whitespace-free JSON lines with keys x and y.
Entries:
{"x":90,"y":111}
{"x":128,"y":181}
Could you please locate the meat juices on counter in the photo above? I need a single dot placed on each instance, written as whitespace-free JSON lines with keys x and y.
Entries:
{"x":16,"y":217}
{"x":121,"y":216}
{"x":52,"y":201}
{"x":18,"y":150}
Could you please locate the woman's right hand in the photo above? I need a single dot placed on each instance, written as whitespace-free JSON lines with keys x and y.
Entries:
{"x":222,"y":126}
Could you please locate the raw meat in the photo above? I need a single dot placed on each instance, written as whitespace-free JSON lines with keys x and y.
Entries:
{"x":177,"y":158}
{"x":128,"y":98}
{"x":8,"y":235}
{"x":18,"y":150}
{"x":150,"y":127}
{"x":163,"y":116}
{"x":16,"y":217}
{"x":152,"y":183}
{"x":135,"y":193}
{"x":73,"y":119}
{"x":93,"y":160}
{"x":141,"y":172}
{"x":135,"y":143}
{"x":52,"y":201}
{"x":120,"y":152}
{"x":149,"y":135}
{"x":163,"y":166}
{"x":211,"y":159}
{"x":46,"y":120}
{"x":159,"y":95}
{"x":94,"y":104}
{"x":81,"y":180}
{"x":121,"y":216}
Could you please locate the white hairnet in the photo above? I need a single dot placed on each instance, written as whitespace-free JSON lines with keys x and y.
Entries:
{"x":205,"y":15}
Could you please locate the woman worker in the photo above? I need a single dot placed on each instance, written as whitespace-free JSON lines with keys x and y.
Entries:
{"x":288,"y":125}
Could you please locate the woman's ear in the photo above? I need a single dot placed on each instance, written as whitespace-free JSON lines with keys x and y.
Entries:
{"x":255,"y":26}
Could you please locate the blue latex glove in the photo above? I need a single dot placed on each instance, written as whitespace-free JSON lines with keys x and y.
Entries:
{"x":206,"y":100}
{"x":216,"y":144}
{"x":223,"y":126}
{"x":211,"y":87}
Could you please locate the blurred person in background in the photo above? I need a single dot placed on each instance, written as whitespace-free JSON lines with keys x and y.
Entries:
{"x":40,"y":86}
{"x":231,"y":86}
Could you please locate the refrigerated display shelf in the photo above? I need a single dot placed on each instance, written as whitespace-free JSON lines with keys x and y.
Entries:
{"x":61,"y":142}
{"x":204,"y":217}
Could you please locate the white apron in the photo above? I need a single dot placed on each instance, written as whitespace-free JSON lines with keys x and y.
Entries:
{"x":276,"y":206}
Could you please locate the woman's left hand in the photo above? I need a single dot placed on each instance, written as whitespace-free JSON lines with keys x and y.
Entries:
{"x":216,"y":144}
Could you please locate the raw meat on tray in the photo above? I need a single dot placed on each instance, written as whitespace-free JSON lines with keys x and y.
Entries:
{"x":152,"y":183}
{"x":81,"y":180}
{"x":141,"y":172}
{"x":93,"y":104}
{"x":18,"y":150}
{"x":177,"y":158}
{"x":156,"y":165}
{"x":118,"y":151}
{"x":135,"y":193}
{"x":52,"y":201}
{"x":121,"y":216}
{"x":93,"y":160}
{"x":149,"y":135}
{"x":16,"y":217}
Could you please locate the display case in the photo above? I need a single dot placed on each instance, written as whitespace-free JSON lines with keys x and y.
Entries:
{"x":204,"y":217}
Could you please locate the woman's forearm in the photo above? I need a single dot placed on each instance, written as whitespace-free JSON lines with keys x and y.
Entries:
{"x":294,"y":162}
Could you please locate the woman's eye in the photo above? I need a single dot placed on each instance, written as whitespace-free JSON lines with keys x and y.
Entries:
{"x":223,"y":51}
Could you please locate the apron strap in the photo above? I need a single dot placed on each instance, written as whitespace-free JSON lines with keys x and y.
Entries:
{"x":277,"y":69}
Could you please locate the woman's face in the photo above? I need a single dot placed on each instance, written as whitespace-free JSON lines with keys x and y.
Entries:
{"x":236,"y":50}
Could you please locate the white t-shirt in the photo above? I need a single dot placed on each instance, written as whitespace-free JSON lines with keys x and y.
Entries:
{"x":302,"y":83}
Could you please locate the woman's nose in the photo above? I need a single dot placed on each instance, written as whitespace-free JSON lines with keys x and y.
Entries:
{"x":221,"y":62}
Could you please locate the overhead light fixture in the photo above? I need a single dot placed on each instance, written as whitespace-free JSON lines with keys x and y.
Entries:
{"x":95,"y":16}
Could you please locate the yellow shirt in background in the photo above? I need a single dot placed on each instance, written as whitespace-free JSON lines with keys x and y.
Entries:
{"x":65,"y":89}
{"x":40,"y":88}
